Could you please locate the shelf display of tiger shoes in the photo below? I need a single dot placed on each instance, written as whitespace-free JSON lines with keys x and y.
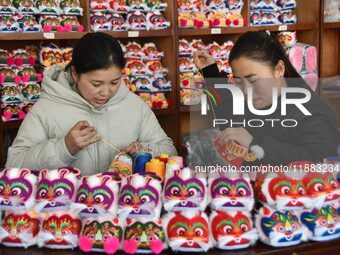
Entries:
{"x":128,"y":15}
{"x":205,"y":14}
{"x":144,"y":73}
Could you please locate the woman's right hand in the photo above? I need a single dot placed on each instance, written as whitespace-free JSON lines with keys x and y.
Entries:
{"x":80,"y":136}
{"x":202,"y":59}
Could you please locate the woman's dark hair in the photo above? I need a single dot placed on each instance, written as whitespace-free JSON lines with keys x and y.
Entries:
{"x":96,"y":51}
{"x":264,"y":48}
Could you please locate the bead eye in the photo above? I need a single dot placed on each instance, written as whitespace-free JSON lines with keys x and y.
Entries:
{"x":82,"y":198}
{"x":43,"y":193}
{"x":144,"y":199}
{"x":333,"y":184}
{"x":285,"y":190}
{"x":174,"y":191}
{"x":180,"y":231}
{"x":244,"y":228}
{"x":59,"y":192}
{"x":16,"y":191}
{"x":224,"y":191}
{"x":199,"y":232}
{"x":301,"y":191}
{"x":192,"y":192}
{"x":99,"y":199}
{"x":318,"y":187}
{"x":281,"y":229}
{"x":127,"y":199}
{"x":241,"y":191}
{"x":227,"y":229}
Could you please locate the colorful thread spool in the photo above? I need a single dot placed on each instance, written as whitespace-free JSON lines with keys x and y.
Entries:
{"x":155,"y":166}
{"x":178,"y":159}
{"x":170,"y":167}
{"x":163,"y":157}
{"x":139,"y":161}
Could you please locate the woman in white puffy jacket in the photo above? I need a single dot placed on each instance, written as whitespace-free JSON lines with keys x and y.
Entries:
{"x":80,"y":105}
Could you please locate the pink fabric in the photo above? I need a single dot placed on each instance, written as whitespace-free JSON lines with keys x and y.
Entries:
{"x":312,"y":80}
{"x":111,"y":245}
{"x":22,"y":115}
{"x":25,"y":78}
{"x":85,"y":243}
{"x":236,"y":22}
{"x":39,"y":75}
{"x":10,"y":61}
{"x":60,"y":28}
{"x":7,"y":115}
{"x":130,"y":246}
{"x":17,"y":79}
{"x":183,"y":22}
{"x":81,"y":28}
{"x":18,"y":61}
{"x":296,"y":57}
{"x":31,"y":61}
{"x":311,"y":59}
{"x":47,"y":28}
{"x":68,"y":27}
{"x":2,"y":78}
{"x":156,"y":246}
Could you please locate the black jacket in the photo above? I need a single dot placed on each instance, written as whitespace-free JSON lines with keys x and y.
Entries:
{"x":313,"y":139}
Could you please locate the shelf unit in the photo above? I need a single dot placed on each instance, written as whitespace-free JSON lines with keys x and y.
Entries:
{"x":310,"y":29}
{"x":330,"y":61}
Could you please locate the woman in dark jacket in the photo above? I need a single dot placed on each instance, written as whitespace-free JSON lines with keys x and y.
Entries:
{"x":259,"y":62}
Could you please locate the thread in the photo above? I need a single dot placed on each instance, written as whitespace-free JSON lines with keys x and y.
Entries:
{"x":110,"y":145}
{"x":139,"y":161}
{"x":163,"y":157}
{"x":178,"y":159}
{"x":156,"y":166}
{"x":170,"y":167}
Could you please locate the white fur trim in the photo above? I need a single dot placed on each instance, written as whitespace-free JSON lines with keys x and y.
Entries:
{"x":258,"y":150}
{"x":166,"y":219}
{"x":265,"y":191}
{"x":258,"y":218}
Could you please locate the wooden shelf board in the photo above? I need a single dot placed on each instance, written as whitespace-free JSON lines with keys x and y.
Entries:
{"x":241,"y":30}
{"x":188,"y":108}
{"x":132,"y":34}
{"x":78,"y":35}
{"x":41,"y":36}
{"x":330,"y":94}
{"x":15,"y":124}
{"x":167,"y":111}
{"x":331,"y":25}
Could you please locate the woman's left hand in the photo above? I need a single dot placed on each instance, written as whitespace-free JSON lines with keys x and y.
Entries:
{"x":132,"y":148}
{"x":239,"y":135}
